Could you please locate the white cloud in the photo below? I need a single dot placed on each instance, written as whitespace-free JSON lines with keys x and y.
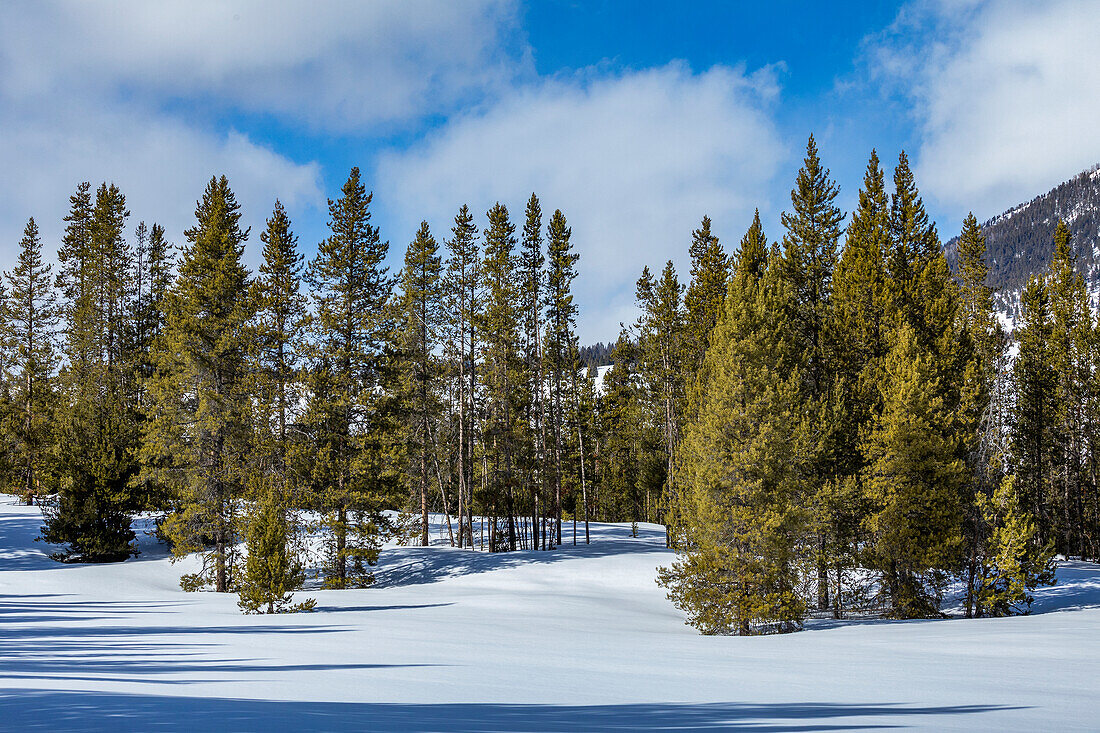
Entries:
{"x":634,"y":161}
{"x":139,"y":93}
{"x":336,"y":65}
{"x":1006,"y":94}
{"x":160,"y":164}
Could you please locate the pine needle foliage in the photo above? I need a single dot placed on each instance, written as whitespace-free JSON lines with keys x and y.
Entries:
{"x":198,"y":434}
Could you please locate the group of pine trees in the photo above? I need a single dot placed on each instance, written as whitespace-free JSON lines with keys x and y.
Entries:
{"x":852,"y":434}
{"x":828,"y":423}
{"x":256,"y":413}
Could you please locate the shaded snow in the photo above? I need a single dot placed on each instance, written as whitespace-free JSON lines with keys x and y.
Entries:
{"x":579,"y":639}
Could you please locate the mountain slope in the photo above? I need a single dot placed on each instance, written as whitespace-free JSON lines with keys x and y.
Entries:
{"x":1020,"y":241}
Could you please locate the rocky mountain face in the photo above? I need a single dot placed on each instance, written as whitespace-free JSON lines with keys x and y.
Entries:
{"x":1020,"y":241}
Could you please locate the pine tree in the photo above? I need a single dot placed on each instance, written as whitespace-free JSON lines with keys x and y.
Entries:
{"x":161,"y":276}
{"x":584,"y":420}
{"x":809,"y":257}
{"x":280,"y":327}
{"x":860,"y":288}
{"x":1017,"y":563}
{"x":100,"y":425}
{"x":915,"y":481}
{"x":532,"y":294}
{"x":860,"y":330}
{"x":710,"y":272}
{"x":504,"y":376}
{"x":272,"y":570}
{"x":561,"y":315}
{"x":351,"y":290}
{"x":923,"y":293}
{"x":198,"y":436}
{"x":810,"y":254}
{"x":462,"y":286}
{"x":631,"y":447}
{"x":982,"y":424}
{"x":33,"y":310}
{"x":9,"y":411}
{"x":741,"y":531}
{"x":751,"y":260}
{"x":1070,"y":343}
{"x":914,"y":243}
{"x":149,"y":319}
{"x":75,"y":280}
{"x":1033,"y":421}
{"x":421,"y":306}
{"x":661,"y":346}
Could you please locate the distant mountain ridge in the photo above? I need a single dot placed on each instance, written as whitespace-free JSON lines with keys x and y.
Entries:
{"x":1020,"y":241}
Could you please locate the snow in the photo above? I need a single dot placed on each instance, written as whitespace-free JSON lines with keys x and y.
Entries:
{"x":579,"y":638}
{"x":601,"y":375}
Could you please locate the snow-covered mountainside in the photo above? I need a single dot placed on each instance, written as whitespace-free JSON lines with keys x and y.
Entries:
{"x":578,"y":639}
{"x":1019,"y":242}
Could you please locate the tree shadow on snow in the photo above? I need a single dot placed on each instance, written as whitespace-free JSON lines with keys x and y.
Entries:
{"x":20,"y":548}
{"x":1078,"y":588}
{"x":401,"y":566}
{"x":89,"y":711}
{"x":79,"y":650}
{"x":399,"y":607}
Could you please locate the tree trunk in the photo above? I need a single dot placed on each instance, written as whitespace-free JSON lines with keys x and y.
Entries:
{"x":341,"y":538}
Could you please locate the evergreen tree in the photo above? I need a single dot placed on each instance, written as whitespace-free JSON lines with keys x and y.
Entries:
{"x":922,"y":290}
{"x":860,"y":292}
{"x":505,"y":380}
{"x":561,"y":315}
{"x":982,"y":421}
{"x":272,"y":570}
{"x":33,"y":313}
{"x":751,"y":261}
{"x":915,"y":480}
{"x":198,"y":436}
{"x":741,"y":531}
{"x":1017,"y":563}
{"x":1070,"y":342}
{"x":860,"y":331}
{"x":161,"y":276}
{"x":1033,"y":422}
{"x":532,"y":295}
{"x":809,"y":261}
{"x":809,"y":256}
{"x":710,"y":272}
{"x":421,"y":305}
{"x":75,"y":280}
{"x":914,"y":243}
{"x":281,"y":322}
{"x":585,"y":424}
{"x":462,"y":286}
{"x":631,"y":458}
{"x":100,"y":425}
{"x":350,"y":333}
{"x":661,"y":346}
{"x":9,"y":410}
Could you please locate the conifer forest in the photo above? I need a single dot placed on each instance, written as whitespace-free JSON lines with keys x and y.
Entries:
{"x":826,"y":420}
{"x":526,"y":366}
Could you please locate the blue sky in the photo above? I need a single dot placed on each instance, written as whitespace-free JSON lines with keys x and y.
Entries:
{"x":634,"y":118}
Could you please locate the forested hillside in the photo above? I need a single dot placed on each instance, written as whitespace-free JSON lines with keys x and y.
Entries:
{"x":1018,"y":241}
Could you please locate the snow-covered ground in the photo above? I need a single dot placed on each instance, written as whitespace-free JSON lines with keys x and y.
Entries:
{"x":580,"y":639}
